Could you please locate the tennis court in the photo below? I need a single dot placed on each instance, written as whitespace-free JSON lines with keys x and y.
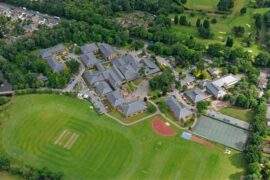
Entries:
{"x":221,"y":132}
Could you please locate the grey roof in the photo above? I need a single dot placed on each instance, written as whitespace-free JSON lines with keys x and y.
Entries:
{"x":100,"y":67}
{"x":55,"y":64}
{"x":4,"y":86}
{"x":113,"y":78}
{"x":103,"y":87}
{"x":129,"y":73}
{"x":52,"y":50}
{"x":91,"y":78}
{"x":106,"y":49}
{"x":134,"y":107}
{"x":89,"y":48}
{"x":188,"y":79}
{"x":180,"y":111}
{"x":214,"y":90}
{"x":49,"y":55}
{"x":89,"y":59}
{"x":115,"y":98}
{"x":118,"y":73}
{"x":150,"y":66}
{"x":195,"y":95}
{"x":127,"y":60}
{"x":128,"y":65}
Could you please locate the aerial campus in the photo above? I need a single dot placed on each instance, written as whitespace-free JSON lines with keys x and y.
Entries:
{"x":140,"y":89}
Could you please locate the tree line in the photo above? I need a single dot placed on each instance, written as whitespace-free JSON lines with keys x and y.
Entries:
{"x":28,"y":172}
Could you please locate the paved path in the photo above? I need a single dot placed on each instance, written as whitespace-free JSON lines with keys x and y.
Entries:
{"x":158,"y":112}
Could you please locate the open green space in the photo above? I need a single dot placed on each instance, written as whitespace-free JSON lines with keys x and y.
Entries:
{"x":32,"y":125}
{"x":223,"y":28}
{"x":202,"y":4}
{"x":239,"y":113}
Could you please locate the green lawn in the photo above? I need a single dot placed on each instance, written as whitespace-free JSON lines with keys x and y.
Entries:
{"x":104,"y":148}
{"x":202,"y":4}
{"x":239,"y":113}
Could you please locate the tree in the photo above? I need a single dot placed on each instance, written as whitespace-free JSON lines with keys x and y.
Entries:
{"x":262,"y":59}
{"x":151,"y":108}
{"x":258,"y":21}
{"x":202,"y":106}
{"x":225,"y":5}
{"x":183,"y":20}
{"x":4,"y":162}
{"x":77,"y":50}
{"x":176,"y":19}
{"x":137,"y":44}
{"x":162,"y":82}
{"x":142,"y":72}
{"x":183,"y":1}
{"x":243,"y":10}
{"x":229,"y":42}
{"x":238,"y":31}
{"x":73,"y":66}
{"x":206,"y":24}
{"x":254,"y":168}
{"x":3,"y":100}
{"x":198,"y":23}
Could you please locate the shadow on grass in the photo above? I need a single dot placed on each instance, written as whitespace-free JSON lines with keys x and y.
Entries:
{"x":237,"y":160}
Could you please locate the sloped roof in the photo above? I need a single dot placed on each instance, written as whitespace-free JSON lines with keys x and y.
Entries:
{"x":215,"y":90}
{"x":150,"y":66}
{"x":91,"y":78}
{"x":226,"y":81}
{"x":100,"y":67}
{"x":5,"y":86}
{"x":103,"y":87}
{"x":188,"y":79}
{"x":113,"y":78}
{"x":89,"y":59}
{"x":131,"y":108}
{"x":129,"y":73}
{"x":55,"y":64}
{"x":195,"y":95}
{"x":128,"y":65}
{"x":106,"y":49}
{"x":179,"y":110}
{"x":89,"y":48}
{"x":52,"y":50}
{"x":115,"y":98}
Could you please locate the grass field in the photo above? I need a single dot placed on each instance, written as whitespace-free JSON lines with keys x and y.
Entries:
{"x":104,"y":149}
{"x":202,"y":4}
{"x":239,"y":113}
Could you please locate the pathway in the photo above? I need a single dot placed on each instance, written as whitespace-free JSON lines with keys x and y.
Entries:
{"x":158,"y":112}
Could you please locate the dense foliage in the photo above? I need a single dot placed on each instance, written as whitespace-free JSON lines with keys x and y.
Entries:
{"x":28,"y":172}
{"x":202,"y":106}
{"x":162,"y":82}
{"x":253,"y":155}
{"x":225,"y":5}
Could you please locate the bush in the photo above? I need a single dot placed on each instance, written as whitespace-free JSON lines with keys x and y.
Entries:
{"x":4,"y":162}
{"x":151,"y":108}
{"x":202,"y":106}
{"x":4,"y":100}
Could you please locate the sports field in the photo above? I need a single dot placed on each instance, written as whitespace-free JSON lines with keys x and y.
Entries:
{"x":64,"y":134}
